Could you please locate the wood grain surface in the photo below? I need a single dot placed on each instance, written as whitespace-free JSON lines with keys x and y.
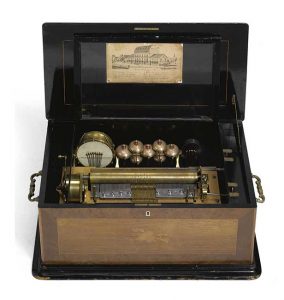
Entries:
{"x":129,"y":236}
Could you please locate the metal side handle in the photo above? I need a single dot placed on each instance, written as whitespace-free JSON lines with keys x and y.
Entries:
{"x":261,"y":197}
{"x":32,"y":187}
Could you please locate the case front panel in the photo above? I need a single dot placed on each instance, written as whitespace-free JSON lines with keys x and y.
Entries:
{"x":146,"y":235}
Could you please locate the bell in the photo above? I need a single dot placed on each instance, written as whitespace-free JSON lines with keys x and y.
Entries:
{"x":148,"y":151}
{"x":172,"y":151}
{"x":159,"y":146}
{"x":159,"y":158}
{"x":136,"y":159}
{"x":136,"y":147}
{"x":122,"y":152}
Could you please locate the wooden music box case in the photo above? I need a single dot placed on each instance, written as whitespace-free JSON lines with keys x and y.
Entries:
{"x":146,"y":171}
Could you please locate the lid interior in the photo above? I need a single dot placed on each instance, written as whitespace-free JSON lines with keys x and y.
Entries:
{"x":193,"y":93}
{"x":67,"y":98}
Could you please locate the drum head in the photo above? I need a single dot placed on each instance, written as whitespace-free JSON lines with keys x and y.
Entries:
{"x":94,"y":154}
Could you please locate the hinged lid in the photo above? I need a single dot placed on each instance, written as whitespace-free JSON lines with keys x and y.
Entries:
{"x":145,"y":70}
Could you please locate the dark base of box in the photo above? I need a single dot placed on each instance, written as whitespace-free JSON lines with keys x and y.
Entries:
{"x":42,"y":271}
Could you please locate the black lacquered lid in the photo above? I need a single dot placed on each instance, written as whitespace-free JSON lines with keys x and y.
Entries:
{"x":99,"y":70}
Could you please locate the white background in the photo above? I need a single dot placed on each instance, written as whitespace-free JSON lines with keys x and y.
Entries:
{"x":23,"y":130}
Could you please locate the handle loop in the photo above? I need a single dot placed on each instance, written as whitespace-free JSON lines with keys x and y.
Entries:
{"x":261,"y":197}
{"x":32,"y":187}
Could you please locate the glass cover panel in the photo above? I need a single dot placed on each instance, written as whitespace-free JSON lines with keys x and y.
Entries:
{"x":138,"y":79}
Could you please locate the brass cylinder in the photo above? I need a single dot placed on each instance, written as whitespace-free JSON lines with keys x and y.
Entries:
{"x":143,"y":175}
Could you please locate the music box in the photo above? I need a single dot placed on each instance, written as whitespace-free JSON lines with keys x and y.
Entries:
{"x":146,"y":172}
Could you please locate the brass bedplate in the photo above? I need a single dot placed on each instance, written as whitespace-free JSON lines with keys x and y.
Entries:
{"x":98,"y":174}
{"x":140,"y":185}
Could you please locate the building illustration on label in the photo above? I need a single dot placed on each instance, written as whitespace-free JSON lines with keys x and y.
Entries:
{"x":144,"y":55}
{"x":145,"y":63}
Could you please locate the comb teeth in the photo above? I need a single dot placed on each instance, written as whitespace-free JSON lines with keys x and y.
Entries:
{"x":94,"y":159}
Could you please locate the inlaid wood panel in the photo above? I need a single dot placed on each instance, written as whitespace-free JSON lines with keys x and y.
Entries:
{"x":131,"y":236}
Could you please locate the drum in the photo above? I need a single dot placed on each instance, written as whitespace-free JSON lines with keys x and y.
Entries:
{"x":95,"y":149}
